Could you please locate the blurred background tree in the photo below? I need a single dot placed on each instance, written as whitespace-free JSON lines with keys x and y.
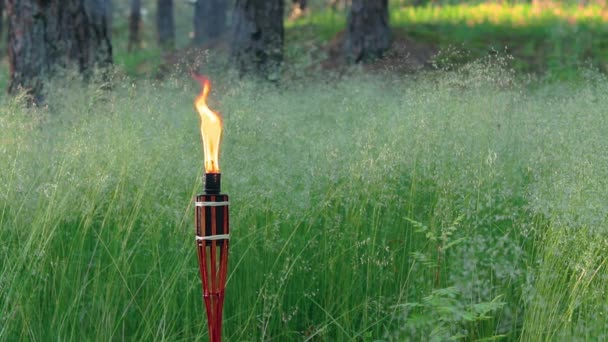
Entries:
{"x":209,"y":20}
{"x":135,"y":25}
{"x":1,"y":18}
{"x":257,"y":44}
{"x":165,"y":24}
{"x":46,"y":35}
{"x":368,"y":31}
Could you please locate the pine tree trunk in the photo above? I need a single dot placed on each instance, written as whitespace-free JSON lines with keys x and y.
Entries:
{"x":258,"y":37}
{"x":46,"y":35}
{"x":96,"y":33}
{"x":1,"y":18}
{"x":78,"y":31}
{"x":134,"y":25}
{"x":165,"y":24}
{"x":26,"y":49}
{"x":209,"y":20}
{"x":368,"y":34}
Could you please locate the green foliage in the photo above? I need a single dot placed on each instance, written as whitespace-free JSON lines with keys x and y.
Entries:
{"x":369,"y":208}
{"x":445,"y":314}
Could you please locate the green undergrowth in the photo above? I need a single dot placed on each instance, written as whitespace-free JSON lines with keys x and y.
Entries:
{"x":370,"y":208}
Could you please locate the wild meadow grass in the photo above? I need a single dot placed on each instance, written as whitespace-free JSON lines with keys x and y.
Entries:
{"x":452,"y":205}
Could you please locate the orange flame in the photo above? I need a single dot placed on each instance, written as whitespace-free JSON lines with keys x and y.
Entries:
{"x":211,"y":126}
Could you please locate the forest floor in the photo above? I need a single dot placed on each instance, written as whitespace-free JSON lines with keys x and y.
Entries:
{"x":405,"y":55}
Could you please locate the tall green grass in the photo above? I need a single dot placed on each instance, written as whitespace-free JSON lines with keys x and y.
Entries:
{"x":370,"y":208}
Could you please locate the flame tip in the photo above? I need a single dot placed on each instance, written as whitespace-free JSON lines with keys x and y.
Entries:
{"x":202,"y":79}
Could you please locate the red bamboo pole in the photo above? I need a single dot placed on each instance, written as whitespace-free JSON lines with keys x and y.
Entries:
{"x":212,"y":233}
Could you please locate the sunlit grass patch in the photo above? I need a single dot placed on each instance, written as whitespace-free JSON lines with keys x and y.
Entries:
{"x":501,"y":14}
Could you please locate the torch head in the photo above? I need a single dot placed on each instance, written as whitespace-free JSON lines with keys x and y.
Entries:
{"x":213,"y":183}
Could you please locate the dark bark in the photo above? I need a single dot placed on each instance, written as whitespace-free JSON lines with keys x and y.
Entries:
{"x":134,"y":25}
{"x":95,"y":32}
{"x":165,"y":24}
{"x":1,"y":17}
{"x":51,"y":34}
{"x":258,"y":37}
{"x":209,"y":20}
{"x":26,"y":49}
{"x":78,"y":31}
{"x":368,"y":35}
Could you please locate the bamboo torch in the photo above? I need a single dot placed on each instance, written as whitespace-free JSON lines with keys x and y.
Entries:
{"x":211,"y":216}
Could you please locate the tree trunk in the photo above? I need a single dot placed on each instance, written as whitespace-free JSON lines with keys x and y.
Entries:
{"x":1,"y":17}
{"x":95,"y":33}
{"x":134,"y":25}
{"x":209,"y":20}
{"x":26,"y":48}
{"x":258,"y":37}
{"x":368,"y":34}
{"x":45,"y":35}
{"x":78,"y":31}
{"x":165,"y":24}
